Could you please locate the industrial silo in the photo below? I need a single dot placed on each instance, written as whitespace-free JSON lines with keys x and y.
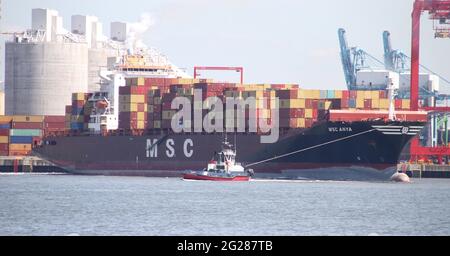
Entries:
{"x":40,"y":77}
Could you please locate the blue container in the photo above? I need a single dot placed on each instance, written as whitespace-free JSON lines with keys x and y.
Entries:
{"x":76,"y":126}
{"x":77,"y":111}
{"x":21,"y":140}
{"x":5,"y":126}
{"x":352,"y":103}
{"x":323,"y":94}
{"x":330,"y":94}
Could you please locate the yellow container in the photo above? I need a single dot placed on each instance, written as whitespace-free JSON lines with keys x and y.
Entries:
{"x":4,"y":139}
{"x":140,"y":125}
{"x":301,"y":123}
{"x":360,"y":103}
{"x":140,"y":81}
{"x":368,"y":95}
{"x":78,"y":96}
{"x":308,"y":113}
{"x":141,"y":116}
{"x":405,"y":104}
{"x":375,"y":95}
{"x":5,"y":119}
{"x":128,"y":107}
{"x":17,"y":147}
{"x":28,"y":119}
{"x":137,"y":98}
{"x":375,"y":103}
{"x":360,"y":95}
{"x":384,"y":104}
{"x":338,"y":94}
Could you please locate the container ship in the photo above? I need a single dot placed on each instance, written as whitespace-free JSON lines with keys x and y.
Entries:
{"x":128,"y":128}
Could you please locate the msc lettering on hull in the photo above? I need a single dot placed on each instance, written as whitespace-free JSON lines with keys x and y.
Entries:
{"x":151,"y":150}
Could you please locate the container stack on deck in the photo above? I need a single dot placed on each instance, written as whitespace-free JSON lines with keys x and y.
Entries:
{"x":133,"y":107}
{"x":145,"y":103}
{"x":18,"y":134}
{"x":80,"y":111}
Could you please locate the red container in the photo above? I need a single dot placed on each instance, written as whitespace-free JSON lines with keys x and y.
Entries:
{"x":344,"y":103}
{"x":398,"y":104}
{"x":367,"y":104}
{"x":54,"y":119}
{"x":4,"y":146}
{"x":315,"y":104}
{"x":308,"y":103}
{"x":141,"y":107}
{"x":287,"y":94}
{"x":127,"y":116}
{"x":21,"y":125}
{"x":315,"y":113}
{"x":55,"y":125}
{"x":346,"y":95}
{"x":353,"y":94}
{"x":4,"y":132}
{"x":309,"y":122}
{"x":4,"y":153}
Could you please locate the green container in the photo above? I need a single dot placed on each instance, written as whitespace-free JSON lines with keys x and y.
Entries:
{"x":25,"y":132}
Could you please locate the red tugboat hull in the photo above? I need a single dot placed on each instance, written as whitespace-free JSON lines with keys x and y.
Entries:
{"x":192,"y":176}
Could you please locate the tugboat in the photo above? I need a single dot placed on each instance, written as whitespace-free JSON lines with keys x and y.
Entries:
{"x":222,"y":167}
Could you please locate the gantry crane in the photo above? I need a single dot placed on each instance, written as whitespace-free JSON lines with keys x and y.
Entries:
{"x":439,"y":10}
{"x":237,"y":69}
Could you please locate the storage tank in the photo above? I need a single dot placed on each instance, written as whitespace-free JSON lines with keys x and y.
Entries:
{"x":41,"y":77}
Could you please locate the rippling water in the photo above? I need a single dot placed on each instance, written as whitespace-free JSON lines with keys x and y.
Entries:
{"x":81,"y":205}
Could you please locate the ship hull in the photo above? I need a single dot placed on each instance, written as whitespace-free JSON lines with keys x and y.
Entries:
{"x":193,"y":176}
{"x":328,"y":150}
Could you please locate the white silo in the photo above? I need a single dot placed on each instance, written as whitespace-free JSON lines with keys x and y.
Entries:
{"x":40,"y":77}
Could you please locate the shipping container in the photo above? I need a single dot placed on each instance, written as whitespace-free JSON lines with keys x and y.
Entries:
{"x":20,"y":139}
{"x":5,"y":119}
{"x":54,"y":119}
{"x":25,"y":132}
{"x":19,"y":147}
{"x":33,"y":119}
{"x":76,"y":126}
{"x":27,"y":125}
{"x":4,"y":139}
{"x":4,"y":132}
{"x":5,"y":126}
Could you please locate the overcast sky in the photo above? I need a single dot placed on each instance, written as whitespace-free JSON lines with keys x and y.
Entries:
{"x":276,"y":41}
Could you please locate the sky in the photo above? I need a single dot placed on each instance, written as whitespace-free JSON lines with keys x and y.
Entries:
{"x":276,"y":41}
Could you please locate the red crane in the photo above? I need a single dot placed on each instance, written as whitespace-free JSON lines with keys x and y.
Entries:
{"x":438,"y":10}
{"x":237,"y":69}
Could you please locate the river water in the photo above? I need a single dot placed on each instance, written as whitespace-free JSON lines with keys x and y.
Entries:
{"x":97,"y":205}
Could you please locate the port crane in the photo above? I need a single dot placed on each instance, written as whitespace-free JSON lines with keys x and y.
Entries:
{"x":355,"y":59}
{"x":439,"y":11}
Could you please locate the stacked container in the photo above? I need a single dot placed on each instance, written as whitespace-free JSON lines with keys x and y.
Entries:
{"x":5,"y":126}
{"x":25,"y":132}
{"x":80,"y":111}
{"x":133,"y":107}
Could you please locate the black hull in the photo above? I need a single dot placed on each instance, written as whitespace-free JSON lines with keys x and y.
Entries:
{"x":329,"y":150}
